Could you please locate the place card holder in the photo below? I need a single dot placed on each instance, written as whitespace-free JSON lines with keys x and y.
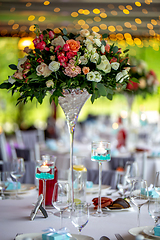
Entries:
{"x":37,"y":207}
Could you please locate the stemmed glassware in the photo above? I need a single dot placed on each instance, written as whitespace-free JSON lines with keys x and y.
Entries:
{"x":157,"y":183}
{"x":131,"y":171}
{"x":80,"y":216}
{"x":154,"y":209}
{"x":100,"y":153}
{"x":4,"y":182}
{"x":61,"y":199}
{"x":122,"y":183}
{"x":139,"y":194}
{"x":17,"y":171}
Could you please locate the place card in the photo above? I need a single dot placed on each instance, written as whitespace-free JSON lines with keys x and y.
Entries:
{"x":37,"y":207}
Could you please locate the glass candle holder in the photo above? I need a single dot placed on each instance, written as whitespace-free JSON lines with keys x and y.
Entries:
{"x":100,"y":152}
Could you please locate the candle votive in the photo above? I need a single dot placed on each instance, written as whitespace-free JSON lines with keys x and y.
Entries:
{"x":101,"y":151}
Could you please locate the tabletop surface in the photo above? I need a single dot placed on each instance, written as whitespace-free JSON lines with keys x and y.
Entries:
{"x":15,"y":218}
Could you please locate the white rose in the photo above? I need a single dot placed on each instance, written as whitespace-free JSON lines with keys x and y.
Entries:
{"x":105,"y":66}
{"x":98,"y":76}
{"x":94,"y":58}
{"x":115,"y":65}
{"x":87,"y":41}
{"x":43,"y":70}
{"x":91,"y":76}
{"x":84,"y":33}
{"x":20,"y":62}
{"x":89,"y":47}
{"x":121,"y":76}
{"x":58,"y":41}
{"x":49,"y":83}
{"x":54,"y":66}
{"x":102,"y":49}
{"x":97,"y":42}
{"x":83,"y":60}
{"x":11,"y":80}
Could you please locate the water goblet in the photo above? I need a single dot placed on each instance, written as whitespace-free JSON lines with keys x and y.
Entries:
{"x":154,"y":209}
{"x":61,"y":199}
{"x":4,"y":182}
{"x":17,"y":171}
{"x":156,"y":185}
{"x":80,"y":216}
{"x":122,"y":184}
{"x":100,"y":153}
{"x":139,"y":194}
{"x":131,"y":171}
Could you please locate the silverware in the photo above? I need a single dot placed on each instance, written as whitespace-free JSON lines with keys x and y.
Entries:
{"x":118,"y":236}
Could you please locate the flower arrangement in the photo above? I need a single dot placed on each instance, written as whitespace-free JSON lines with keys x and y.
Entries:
{"x":148,"y":81}
{"x":67,"y":61}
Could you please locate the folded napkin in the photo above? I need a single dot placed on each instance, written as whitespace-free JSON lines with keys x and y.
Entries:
{"x":151,"y":191}
{"x":157,"y":230}
{"x":89,"y":184}
{"x":52,"y":234}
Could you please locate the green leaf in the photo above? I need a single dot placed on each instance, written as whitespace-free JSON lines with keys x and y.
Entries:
{"x":65,"y":38}
{"x":109,"y":96}
{"x":6,"y":85}
{"x":109,"y":91}
{"x":125,"y":50}
{"x":101,"y":89}
{"x":37,"y":51}
{"x":99,"y":60}
{"x":115,"y":49}
{"x":13,"y":66}
{"x":105,"y":35}
{"x":134,"y":80}
{"x":103,"y":42}
{"x":93,"y":98}
{"x":64,"y":31}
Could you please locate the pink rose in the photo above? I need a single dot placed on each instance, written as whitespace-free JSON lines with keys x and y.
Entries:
{"x":70,"y":54}
{"x":47,"y":48}
{"x":63,"y":60}
{"x":51,"y":34}
{"x":66,"y":47}
{"x":43,"y":69}
{"x":41,"y":45}
{"x":113,"y":60}
{"x":41,"y":37}
{"x":107,"y":47}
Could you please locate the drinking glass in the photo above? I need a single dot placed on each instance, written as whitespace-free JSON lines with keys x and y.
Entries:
{"x":80,"y":216}
{"x":100,"y":152}
{"x":157,"y":183}
{"x":61,"y":199}
{"x":131,"y":171}
{"x":122,"y":184}
{"x":139,"y":194}
{"x":154,"y":209}
{"x":17,"y":171}
{"x":4,"y":182}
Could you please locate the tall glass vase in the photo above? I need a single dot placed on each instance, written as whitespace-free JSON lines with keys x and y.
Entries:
{"x":71,"y":103}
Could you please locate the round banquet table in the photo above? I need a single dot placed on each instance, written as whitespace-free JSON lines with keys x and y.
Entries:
{"x":15,"y":218}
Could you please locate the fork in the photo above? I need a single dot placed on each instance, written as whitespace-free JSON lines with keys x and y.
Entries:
{"x":118,"y":236}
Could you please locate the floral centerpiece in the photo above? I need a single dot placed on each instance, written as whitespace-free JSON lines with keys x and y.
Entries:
{"x":148,"y":81}
{"x":67,"y":61}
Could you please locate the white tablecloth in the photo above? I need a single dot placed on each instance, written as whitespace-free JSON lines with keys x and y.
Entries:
{"x":14,"y":218}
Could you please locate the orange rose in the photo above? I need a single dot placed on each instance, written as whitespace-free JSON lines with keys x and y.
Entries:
{"x":73,"y":45}
{"x":85,"y":70}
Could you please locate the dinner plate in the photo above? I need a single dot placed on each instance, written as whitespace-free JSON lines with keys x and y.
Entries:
{"x":24,"y":189}
{"x":38,"y":236}
{"x":95,"y":188}
{"x":117,"y":210}
{"x":140,"y":230}
{"x":150,"y":232}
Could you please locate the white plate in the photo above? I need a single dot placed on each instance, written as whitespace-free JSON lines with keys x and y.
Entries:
{"x":150,"y":232}
{"x":95,"y":188}
{"x":117,"y":210}
{"x":140,"y":230}
{"x":38,"y":236}
{"x":24,"y":189}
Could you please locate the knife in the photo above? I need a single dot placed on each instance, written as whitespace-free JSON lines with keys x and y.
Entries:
{"x":118,"y":236}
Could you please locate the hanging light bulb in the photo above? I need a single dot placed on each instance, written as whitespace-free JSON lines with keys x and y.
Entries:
{"x":25,"y":42}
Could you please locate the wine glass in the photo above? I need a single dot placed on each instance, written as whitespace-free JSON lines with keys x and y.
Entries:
{"x":17,"y":171}
{"x":80,"y":216}
{"x":139,"y":194}
{"x":122,"y":184}
{"x":156,"y":185}
{"x":131,"y":171}
{"x":61,"y":199}
{"x":154,"y":209}
{"x":4,"y":183}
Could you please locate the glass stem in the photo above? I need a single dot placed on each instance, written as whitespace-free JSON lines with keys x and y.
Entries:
{"x":138,"y":219}
{"x":61,"y":219}
{"x":16,"y":188}
{"x":99,"y":210}
{"x":44,"y":193}
{"x":71,"y":130}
